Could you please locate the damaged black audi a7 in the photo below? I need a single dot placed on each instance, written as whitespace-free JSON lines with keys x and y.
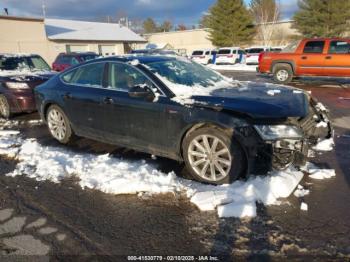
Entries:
{"x":175,"y":108}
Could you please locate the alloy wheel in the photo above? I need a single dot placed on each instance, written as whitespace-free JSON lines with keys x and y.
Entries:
{"x":282,"y":75}
{"x":57,"y":124}
{"x":209,"y":157}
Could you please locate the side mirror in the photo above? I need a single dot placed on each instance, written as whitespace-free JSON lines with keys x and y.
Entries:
{"x":140,"y":92}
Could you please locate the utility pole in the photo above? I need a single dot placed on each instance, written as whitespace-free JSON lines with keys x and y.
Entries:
{"x":44,"y":8}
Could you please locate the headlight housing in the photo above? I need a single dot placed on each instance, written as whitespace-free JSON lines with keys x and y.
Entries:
{"x":17,"y":85}
{"x":275,"y":132}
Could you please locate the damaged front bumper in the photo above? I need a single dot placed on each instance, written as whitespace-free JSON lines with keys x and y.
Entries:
{"x":280,"y":153}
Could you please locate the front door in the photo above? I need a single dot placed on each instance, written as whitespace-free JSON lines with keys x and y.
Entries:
{"x":135,"y":122}
{"x":312,"y":60}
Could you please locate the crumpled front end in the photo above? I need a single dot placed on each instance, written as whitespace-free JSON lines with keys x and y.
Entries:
{"x":315,"y":127}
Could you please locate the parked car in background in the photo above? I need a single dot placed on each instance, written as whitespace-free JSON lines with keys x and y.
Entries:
{"x":230,"y":55}
{"x":153,"y":52}
{"x":19,"y":75}
{"x":176,"y":108}
{"x":66,"y":60}
{"x":310,"y":57}
{"x":204,"y":57}
{"x":253,"y":54}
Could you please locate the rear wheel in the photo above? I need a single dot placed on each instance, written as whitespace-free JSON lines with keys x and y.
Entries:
{"x":4,"y":107}
{"x":59,"y":125}
{"x":212,"y":156}
{"x":282,"y":73}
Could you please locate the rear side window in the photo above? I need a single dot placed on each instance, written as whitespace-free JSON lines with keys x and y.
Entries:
{"x":255,"y":50}
{"x":70,"y":60}
{"x":314,"y":47}
{"x":197,"y":53}
{"x":207,"y":53}
{"x":339,"y":47}
{"x":123,"y":77}
{"x":224,"y":51}
{"x":89,"y":75}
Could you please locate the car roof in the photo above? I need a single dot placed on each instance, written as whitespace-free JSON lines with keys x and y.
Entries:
{"x":144,"y":59}
{"x":329,"y":38}
{"x":17,"y":55}
{"x":77,"y":53}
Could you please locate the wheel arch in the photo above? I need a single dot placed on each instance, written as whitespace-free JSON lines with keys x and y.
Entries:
{"x":227,"y":129}
{"x":285,"y":62}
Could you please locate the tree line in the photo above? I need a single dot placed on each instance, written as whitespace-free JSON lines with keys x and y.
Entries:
{"x":232,"y":22}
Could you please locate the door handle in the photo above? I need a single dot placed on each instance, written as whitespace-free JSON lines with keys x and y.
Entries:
{"x":67,"y":96}
{"x":329,"y":57}
{"x":304,"y":57}
{"x":108,"y":100}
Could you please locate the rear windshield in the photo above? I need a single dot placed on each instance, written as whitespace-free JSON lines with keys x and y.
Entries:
{"x":292,"y":47}
{"x":197,"y":53}
{"x":224,"y":51}
{"x":255,"y":50}
{"x":32,"y":63}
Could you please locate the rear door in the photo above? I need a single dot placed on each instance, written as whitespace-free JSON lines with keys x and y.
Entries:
{"x":337,"y":61}
{"x":83,"y":95}
{"x":312,"y":60}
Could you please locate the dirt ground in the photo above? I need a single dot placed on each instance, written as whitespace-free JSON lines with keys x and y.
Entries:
{"x":62,"y":222}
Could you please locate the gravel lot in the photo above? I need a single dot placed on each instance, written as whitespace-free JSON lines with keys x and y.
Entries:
{"x":65,"y":222}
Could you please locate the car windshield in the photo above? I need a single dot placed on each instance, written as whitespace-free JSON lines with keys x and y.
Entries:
{"x":186,"y":73}
{"x":197,"y":53}
{"x":32,"y":63}
{"x":291,"y":48}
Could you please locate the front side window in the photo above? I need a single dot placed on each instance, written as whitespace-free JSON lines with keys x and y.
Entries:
{"x":123,"y":77}
{"x":89,"y":75}
{"x":314,"y":47}
{"x":339,"y":47}
{"x":224,"y":51}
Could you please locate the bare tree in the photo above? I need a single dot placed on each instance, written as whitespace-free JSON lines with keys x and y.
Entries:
{"x":266,"y":14}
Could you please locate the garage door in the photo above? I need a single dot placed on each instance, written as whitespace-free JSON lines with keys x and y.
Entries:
{"x":107,"y":50}
{"x":77,"y":48}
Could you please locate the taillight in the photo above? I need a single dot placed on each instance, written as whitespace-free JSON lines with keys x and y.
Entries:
{"x":202,"y":57}
{"x":229,"y":56}
{"x":248,"y":55}
{"x":261,"y":56}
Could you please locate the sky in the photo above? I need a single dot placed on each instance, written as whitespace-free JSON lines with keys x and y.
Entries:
{"x":187,"y":12}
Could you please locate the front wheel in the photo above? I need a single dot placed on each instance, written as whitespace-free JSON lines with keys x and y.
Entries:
{"x":5,"y":110}
{"x":59,"y":125}
{"x":283,"y":74}
{"x":212,"y":156}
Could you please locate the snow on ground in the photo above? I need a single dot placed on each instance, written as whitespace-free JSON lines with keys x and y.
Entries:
{"x":235,"y":67}
{"x":118,"y":176}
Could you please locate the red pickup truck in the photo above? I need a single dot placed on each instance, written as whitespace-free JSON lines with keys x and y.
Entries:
{"x":309,"y":57}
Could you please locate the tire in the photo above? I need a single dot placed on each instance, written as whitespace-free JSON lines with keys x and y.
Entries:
{"x":5,"y":110}
{"x":282,"y":73}
{"x":59,"y":125}
{"x":203,"y":164}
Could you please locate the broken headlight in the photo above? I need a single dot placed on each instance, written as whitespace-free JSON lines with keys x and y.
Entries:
{"x":275,"y":132}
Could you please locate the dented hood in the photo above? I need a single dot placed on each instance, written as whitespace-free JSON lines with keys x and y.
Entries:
{"x":258,"y":100}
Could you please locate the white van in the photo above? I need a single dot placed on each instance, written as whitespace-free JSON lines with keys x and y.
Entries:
{"x":230,"y":55}
{"x":204,"y":56}
{"x":253,"y":54}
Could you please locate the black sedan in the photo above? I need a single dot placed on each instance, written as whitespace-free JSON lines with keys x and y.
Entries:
{"x":172,"y":107}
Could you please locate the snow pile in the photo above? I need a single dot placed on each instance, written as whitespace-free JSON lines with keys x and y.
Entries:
{"x":235,"y":67}
{"x":317,"y":173}
{"x":272,"y":92}
{"x":325,"y":145}
{"x":117,"y":176}
{"x":301,"y":192}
